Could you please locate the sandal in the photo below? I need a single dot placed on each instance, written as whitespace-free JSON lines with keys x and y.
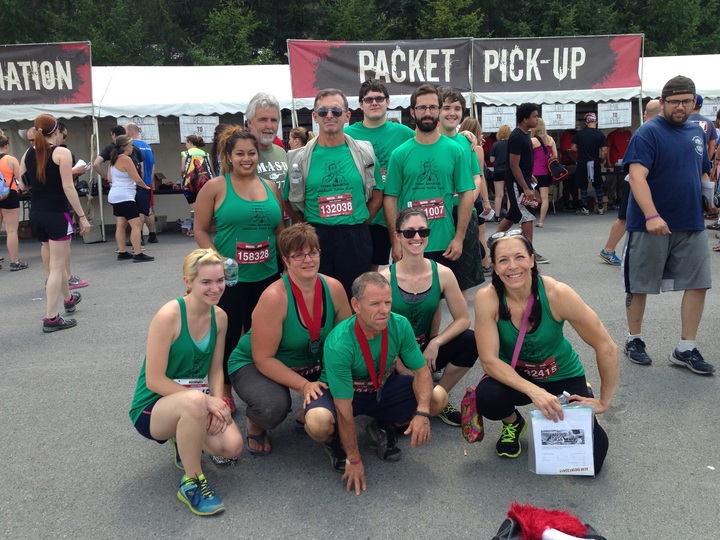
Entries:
{"x":717,"y":248}
{"x":260,"y":439}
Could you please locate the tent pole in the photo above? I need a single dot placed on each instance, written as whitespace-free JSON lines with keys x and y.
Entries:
{"x":96,"y":141}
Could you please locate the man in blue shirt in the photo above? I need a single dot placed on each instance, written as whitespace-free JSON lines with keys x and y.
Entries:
{"x":667,"y":245}
{"x":143,"y":197}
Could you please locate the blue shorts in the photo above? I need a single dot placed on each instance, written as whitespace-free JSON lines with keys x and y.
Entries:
{"x":397,"y":401}
{"x":143,"y":423}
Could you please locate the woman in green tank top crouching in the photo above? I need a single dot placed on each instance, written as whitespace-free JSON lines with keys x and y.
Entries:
{"x":172,"y":401}
{"x":546,"y":365}
{"x":283,"y":350}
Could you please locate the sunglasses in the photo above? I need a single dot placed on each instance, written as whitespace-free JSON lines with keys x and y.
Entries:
{"x":410,"y":233}
{"x":322,"y":112}
{"x":504,"y":234}
{"x":376,"y":99}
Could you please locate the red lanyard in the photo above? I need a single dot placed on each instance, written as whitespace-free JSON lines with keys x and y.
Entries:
{"x":313,"y":325}
{"x":367,"y":355}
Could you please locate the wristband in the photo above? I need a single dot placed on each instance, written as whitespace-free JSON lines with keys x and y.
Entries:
{"x":357,"y":461}
{"x":80,"y":217}
{"x":652,"y":217}
{"x":422,"y":413}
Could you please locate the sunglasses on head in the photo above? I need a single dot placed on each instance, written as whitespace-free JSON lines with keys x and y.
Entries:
{"x":504,"y":234}
{"x":410,"y":233}
{"x":322,"y":112}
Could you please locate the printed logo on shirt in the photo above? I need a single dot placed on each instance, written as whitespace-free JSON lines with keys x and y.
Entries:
{"x":427,"y":175}
{"x":259,"y":220}
{"x":699,"y":144}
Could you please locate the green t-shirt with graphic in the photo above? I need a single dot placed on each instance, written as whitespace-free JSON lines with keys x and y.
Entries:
{"x":428,"y":176}
{"x":272,"y":164}
{"x":384,"y":139}
{"x":343,"y":360}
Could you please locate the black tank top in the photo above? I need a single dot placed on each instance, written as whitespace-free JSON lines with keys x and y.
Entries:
{"x":48,"y":196}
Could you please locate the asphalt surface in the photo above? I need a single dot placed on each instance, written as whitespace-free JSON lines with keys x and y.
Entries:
{"x":76,"y":468}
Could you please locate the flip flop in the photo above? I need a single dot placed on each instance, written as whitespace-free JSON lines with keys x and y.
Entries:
{"x":260,"y":439}
{"x":299,"y":427}
{"x":716,"y":248}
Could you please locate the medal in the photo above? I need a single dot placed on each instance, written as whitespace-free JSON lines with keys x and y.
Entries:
{"x":313,"y":325}
{"x":369,"y":361}
{"x":314,"y":346}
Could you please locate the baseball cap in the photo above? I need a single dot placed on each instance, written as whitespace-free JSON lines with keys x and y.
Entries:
{"x":590,"y":118}
{"x":698,"y":100}
{"x":678,"y":85}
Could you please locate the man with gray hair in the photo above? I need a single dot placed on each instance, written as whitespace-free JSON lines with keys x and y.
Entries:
{"x":144,"y":198}
{"x":263,"y":118}
{"x":358,"y":369}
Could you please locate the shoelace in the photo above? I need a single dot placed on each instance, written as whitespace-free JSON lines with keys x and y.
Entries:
{"x":508,"y":432}
{"x":449,"y":409}
{"x":204,"y":488}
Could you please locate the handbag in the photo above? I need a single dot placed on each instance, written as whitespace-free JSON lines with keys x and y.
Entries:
{"x":471,"y":421}
{"x":557,"y":171}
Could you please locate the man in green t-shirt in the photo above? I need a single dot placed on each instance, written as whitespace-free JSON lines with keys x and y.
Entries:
{"x":427,"y":171}
{"x":358,"y":356}
{"x":263,"y":120}
{"x":335,"y":190}
{"x":385,"y":136}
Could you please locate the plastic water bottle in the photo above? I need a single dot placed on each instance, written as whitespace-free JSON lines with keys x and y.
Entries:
{"x":231,"y":272}
{"x":563,"y":398}
{"x":295,"y":174}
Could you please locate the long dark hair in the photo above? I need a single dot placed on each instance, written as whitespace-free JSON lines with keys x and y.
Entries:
{"x":121,"y":143}
{"x":215,"y":149}
{"x":503,"y":310}
{"x":45,"y":125}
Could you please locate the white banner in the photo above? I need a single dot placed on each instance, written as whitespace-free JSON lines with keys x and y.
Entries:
{"x":710,"y":108}
{"x":494,"y":117}
{"x":558,"y":116}
{"x":200,"y":126}
{"x":614,"y":115}
{"x":149,"y":131}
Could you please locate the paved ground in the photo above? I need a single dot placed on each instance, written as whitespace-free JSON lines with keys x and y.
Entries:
{"x":76,"y":468}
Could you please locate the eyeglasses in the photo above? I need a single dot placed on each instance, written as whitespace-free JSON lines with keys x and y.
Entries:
{"x":300,"y":257}
{"x":410,"y":233}
{"x":376,"y":99}
{"x":322,"y":112}
{"x":423,"y":108}
{"x":675,"y":102}
{"x":503,"y":234}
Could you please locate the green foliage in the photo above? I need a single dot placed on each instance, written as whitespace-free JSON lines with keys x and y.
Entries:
{"x":199,"y":32}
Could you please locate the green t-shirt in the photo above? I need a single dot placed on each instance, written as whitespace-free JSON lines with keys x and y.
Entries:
{"x":334,"y":188}
{"x":343,"y":361}
{"x":272,"y":164}
{"x":384,"y":139}
{"x":473,"y":161}
{"x":293,"y":349}
{"x":545,"y":354}
{"x":246,"y":233}
{"x":185,"y":361}
{"x":428,"y":175}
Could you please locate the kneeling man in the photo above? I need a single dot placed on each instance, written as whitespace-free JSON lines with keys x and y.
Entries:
{"x":358,"y":369}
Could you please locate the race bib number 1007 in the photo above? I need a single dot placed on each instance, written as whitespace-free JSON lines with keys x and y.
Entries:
{"x":434,"y":208}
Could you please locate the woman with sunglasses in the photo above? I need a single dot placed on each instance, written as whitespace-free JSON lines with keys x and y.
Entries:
{"x":247,"y":214}
{"x":283,"y":350}
{"x":547,"y":364}
{"x":417,"y":286}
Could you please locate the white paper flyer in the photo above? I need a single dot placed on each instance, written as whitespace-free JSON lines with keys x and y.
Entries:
{"x":564,"y":447}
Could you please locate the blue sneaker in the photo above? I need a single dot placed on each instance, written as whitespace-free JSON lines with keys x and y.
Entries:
{"x":178,"y":461}
{"x":199,"y":496}
{"x":610,"y":257}
{"x":692,"y":360}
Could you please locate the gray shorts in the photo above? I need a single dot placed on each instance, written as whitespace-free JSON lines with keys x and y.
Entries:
{"x":676,"y":262}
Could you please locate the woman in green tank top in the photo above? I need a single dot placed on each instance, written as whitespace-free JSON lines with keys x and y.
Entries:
{"x":417,"y":286}
{"x":284,"y":348}
{"x":547,"y":365}
{"x":185,"y":344}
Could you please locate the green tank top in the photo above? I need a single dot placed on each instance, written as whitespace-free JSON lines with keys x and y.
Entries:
{"x":421,"y":313}
{"x":546,"y":355}
{"x":293,"y":350}
{"x":185,"y":361}
{"x":246,"y":232}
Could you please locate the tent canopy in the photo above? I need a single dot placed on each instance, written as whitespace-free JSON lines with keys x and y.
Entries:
{"x":657,"y":70}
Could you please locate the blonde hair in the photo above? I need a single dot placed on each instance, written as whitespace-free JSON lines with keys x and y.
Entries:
{"x":540,"y":130}
{"x":503,"y":133}
{"x":197,"y":259}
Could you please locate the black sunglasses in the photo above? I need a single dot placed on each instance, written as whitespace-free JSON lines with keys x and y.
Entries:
{"x":410,"y":233}
{"x":376,"y":99}
{"x":322,"y":112}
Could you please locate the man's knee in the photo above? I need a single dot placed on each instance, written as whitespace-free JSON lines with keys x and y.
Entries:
{"x":320,"y":424}
{"x":438,"y":401}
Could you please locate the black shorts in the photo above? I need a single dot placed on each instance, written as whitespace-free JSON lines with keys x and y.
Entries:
{"x":126,"y":209}
{"x":190,"y":197}
{"x":142,"y":199}
{"x":543,"y":180}
{"x":143,"y":423}
{"x":11,"y":202}
{"x":622,"y":211}
{"x":346,"y":252}
{"x":381,"y":244}
{"x":55,"y":226}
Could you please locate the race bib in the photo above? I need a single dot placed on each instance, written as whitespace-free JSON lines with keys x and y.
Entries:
{"x":540,"y":371}
{"x":434,"y":208}
{"x":335,"y":205}
{"x":194,"y":384}
{"x":252,"y":253}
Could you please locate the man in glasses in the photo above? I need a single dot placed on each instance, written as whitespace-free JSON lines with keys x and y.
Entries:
{"x":426,"y":172}
{"x":263,"y":120}
{"x":385,"y":137}
{"x":666,"y":247}
{"x":339,"y":191}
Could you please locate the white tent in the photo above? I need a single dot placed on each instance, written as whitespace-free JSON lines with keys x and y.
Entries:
{"x":185,"y":90}
{"x":657,"y":70}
